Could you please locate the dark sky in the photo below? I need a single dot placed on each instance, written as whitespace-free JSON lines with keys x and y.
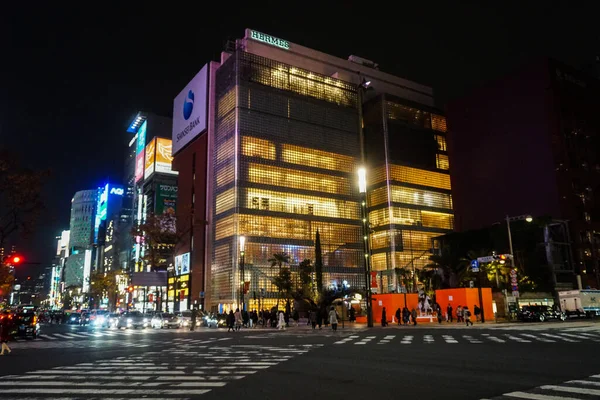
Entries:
{"x":72,"y":77}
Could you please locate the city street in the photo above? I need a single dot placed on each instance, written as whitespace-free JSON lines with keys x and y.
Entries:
{"x":528,"y":361}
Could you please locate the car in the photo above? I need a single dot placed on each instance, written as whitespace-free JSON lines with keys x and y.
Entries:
{"x":74,"y":319}
{"x":97,"y":318}
{"x":216,"y":320}
{"x":540,"y":313}
{"x":27,"y":325}
{"x":85,"y":318}
{"x":111,"y":320}
{"x":185,"y":319}
{"x":165,"y":320}
{"x":132,"y":319}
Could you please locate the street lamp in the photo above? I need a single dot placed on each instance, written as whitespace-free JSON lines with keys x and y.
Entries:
{"x":362,"y":188}
{"x":527,"y":218}
{"x":242,"y":240}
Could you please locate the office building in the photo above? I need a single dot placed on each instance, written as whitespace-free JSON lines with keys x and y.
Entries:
{"x":528,"y":144}
{"x":81,"y":237}
{"x":279,"y":130}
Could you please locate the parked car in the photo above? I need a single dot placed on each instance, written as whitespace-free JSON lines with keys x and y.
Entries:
{"x":132,"y":319}
{"x":27,"y":325}
{"x":540,"y":313}
{"x":165,"y":320}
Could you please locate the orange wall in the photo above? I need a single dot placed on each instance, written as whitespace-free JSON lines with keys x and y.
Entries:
{"x":468,"y":297}
{"x":391,"y":302}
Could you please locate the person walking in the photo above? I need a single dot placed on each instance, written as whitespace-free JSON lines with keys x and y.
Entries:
{"x":383,"y":317}
{"x":238,"y":319}
{"x":405,"y":315}
{"x":449,"y":316}
{"x":313,"y":319}
{"x":333,"y":318}
{"x":477,"y":312}
{"x":467,"y":316}
{"x":231,"y":322}
{"x":413,"y":314}
{"x":398,"y":316}
{"x":319,"y":318}
{"x":281,"y":321}
{"x":459,"y":314}
{"x":5,"y":327}
{"x":194,"y":318}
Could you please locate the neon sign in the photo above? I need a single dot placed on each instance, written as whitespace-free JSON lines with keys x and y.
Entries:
{"x":273,"y":41}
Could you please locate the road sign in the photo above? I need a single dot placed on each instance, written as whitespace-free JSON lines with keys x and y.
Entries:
{"x":511,"y":299}
{"x":485,"y":259}
{"x":515,"y":293}
{"x":475,"y":266}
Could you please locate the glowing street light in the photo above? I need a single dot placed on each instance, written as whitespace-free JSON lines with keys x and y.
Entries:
{"x":362,"y":180}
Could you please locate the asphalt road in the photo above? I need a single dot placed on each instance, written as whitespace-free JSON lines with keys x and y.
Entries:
{"x":484,"y":362}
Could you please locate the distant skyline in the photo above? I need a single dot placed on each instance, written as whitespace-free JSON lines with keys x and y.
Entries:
{"x":73,"y":79}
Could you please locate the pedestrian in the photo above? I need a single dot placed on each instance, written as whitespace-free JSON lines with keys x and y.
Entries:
{"x":296,"y":316}
{"x":333,"y":318}
{"x":312,"y":317}
{"x":383,"y":317}
{"x":238,"y":319}
{"x":467,"y":316}
{"x":405,"y":315}
{"x":439,"y":313}
{"x":352,"y":314}
{"x":281,"y":321}
{"x":231,"y":322}
{"x":459,"y":314}
{"x":5,"y":330}
{"x":398,"y":316}
{"x":477,"y":312}
{"x":245,"y":319}
{"x":319,"y":318}
{"x":449,"y":315}
{"x":194,"y":317}
{"x":413,"y":314}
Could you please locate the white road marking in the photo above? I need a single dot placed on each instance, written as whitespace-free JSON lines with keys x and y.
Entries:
{"x":539,"y":339}
{"x":449,"y":339}
{"x":567,"y":389}
{"x":535,"y":396}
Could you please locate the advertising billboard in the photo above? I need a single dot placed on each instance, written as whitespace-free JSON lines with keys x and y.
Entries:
{"x":189,"y":110}
{"x":139,"y":166}
{"x":150,"y":158}
{"x":164,"y":156}
{"x":182,"y":264}
{"x":141,"y":138}
{"x":166,"y":199}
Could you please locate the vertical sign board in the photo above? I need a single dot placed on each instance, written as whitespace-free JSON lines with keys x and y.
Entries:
{"x":139,"y":151}
{"x":150,"y":159}
{"x":182,"y":264}
{"x":87,"y":270}
{"x":190,"y":110}
{"x":164,"y":157}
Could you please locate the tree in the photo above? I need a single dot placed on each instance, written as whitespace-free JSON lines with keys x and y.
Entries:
{"x":305,"y":269}
{"x":20,"y":198}
{"x":279,"y":259}
{"x":104,"y":285}
{"x":318,"y":262}
{"x":283,"y":282}
{"x":159,"y":236}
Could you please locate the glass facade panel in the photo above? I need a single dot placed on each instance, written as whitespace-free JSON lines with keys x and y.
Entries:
{"x":225,"y":201}
{"x":442,"y":161}
{"x":316,"y":158}
{"x":255,"y":147}
{"x":415,"y":176}
{"x":420,"y":197}
{"x":438,"y":123}
{"x":441,"y":140}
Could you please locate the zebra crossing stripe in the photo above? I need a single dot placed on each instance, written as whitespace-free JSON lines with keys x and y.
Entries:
{"x":535,"y":396}
{"x":494,"y":338}
{"x":517,"y":339}
{"x":428,"y":339}
{"x":568,"y":389}
{"x":560,"y":337}
{"x":449,"y":339}
{"x":47,"y":337}
{"x":407,"y":339}
{"x":540,"y":339}
{"x":62,"y":336}
{"x":583,"y":382}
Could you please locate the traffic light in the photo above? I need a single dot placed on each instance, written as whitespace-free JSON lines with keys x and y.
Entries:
{"x":13,"y":260}
{"x":501,"y":258}
{"x":130,"y":289}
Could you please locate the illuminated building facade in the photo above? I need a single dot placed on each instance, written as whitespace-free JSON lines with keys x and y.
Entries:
{"x":83,"y":212}
{"x":283,"y":147}
{"x":409,"y":199}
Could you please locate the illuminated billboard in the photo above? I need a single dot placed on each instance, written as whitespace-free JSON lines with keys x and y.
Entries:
{"x":182,"y":264}
{"x":166,"y":199}
{"x":164,"y":156}
{"x":150,"y":158}
{"x":189,"y":110}
{"x":139,"y":166}
{"x":139,"y":151}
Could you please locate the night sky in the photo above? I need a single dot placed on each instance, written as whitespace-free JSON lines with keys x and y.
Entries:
{"x":73,"y":77}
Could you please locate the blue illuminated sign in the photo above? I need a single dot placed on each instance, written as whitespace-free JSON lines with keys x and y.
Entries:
{"x":141,"y":139}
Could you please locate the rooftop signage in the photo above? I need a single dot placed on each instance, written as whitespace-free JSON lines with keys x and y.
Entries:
{"x":273,"y":41}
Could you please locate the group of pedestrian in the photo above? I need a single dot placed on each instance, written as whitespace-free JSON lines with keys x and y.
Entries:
{"x":6,"y":327}
{"x":463,"y":314}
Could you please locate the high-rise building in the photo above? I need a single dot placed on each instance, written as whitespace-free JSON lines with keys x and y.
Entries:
{"x":527,"y":144}
{"x":106,"y":224}
{"x":81,"y":237}
{"x":272,"y":158}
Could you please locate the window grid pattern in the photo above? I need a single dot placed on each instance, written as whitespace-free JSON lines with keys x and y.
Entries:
{"x":409,"y":216}
{"x":415,"y":176}
{"x":255,"y":147}
{"x":291,"y":203}
{"x":285,"y":77}
{"x":438,"y":123}
{"x":225,"y":201}
{"x":316,"y":158}
{"x":441,"y":141}
{"x":419,"y":197}
{"x":442,"y":161}
{"x":409,"y":115}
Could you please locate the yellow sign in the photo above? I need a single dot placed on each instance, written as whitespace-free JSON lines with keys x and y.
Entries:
{"x":164,"y":158}
{"x":150,"y":158}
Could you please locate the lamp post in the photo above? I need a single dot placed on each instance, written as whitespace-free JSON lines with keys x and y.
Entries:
{"x":527,"y":218}
{"x":362,"y":186}
{"x":242,"y":284}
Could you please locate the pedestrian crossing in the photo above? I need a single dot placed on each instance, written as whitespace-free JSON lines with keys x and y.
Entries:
{"x":587,"y":388}
{"x":473,"y":338}
{"x":178,"y":373}
{"x":98,"y":334}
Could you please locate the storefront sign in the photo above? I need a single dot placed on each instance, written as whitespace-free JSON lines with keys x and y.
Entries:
{"x":273,"y":41}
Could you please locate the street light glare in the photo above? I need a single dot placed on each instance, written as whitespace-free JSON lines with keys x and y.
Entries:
{"x":529,"y":218}
{"x":362,"y":180}
{"x":242,"y":243}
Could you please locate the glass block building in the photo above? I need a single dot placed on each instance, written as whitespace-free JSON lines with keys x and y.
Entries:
{"x":283,"y":150}
{"x":286,"y":148}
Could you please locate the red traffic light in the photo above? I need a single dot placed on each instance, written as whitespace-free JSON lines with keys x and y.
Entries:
{"x":13,"y":260}
{"x":502,"y":257}
{"x":130,"y":289}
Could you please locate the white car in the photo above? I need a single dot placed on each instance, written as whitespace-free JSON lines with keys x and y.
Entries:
{"x":165,"y":320}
